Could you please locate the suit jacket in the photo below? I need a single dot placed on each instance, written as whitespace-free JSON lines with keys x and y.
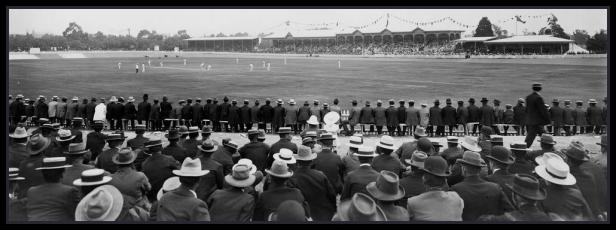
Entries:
{"x":487,"y":115}
{"x":111,"y":110}
{"x":474,"y":113}
{"x":224,"y":111}
{"x":279,"y":113}
{"x":257,"y":152}
{"x":213,"y":112}
{"x":197,"y":112}
{"x":436,"y":206}
{"x":402,"y":114}
{"x":380,"y":118}
{"x":205,"y":112}
{"x":190,"y":145}
{"x":269,"y":201}
{"x":104,"y":160}
{"x":282,"y":143}
{"x":405,"y":151}
{"x":71,"y":111}
{"x":176,"y":151}
{"x":357,"y":180}
{"x":519,"y":114}
{"x":158,"y":168}
{"x":155,"y":112}
{"x":502,"y":177}
{"x":266,"y":113}
{"x":95,"y":143}
{"x":318,"y":192}
{"x":212,"y":181}
{"x":579,"y":116}
{"x":27,"y":169}
{"x":568,"y":118}
{"x":303,"y":114}
{"x":143,"y":110}
{"x":255,"y":113}
{"x":17,"y":154}
{"x":449,"y":115}
{"x":508,"y":117}
{"x":366,"y":115}
{"x":316,"y":111}
{"x":181,"y":205}
{"x":53,"y":108}
{"x":567,"y":202}
{"x":29,"y":110}
{"x":350,"y":163}
{"x":138,"y":142}
{"x":557,"y":115}
{"x":81,"y":111}
{"x":223,"y":157}
{"x":234,"y":114}
{"x":536,"y":113}
{"x":424,"y":117}
{"x":90,"y":109}
{"x":354,"y":115}
{"x":52,"y":202}
{"x":290,"y":117}
{"x":322,"y":112}
{"x":187,"y":112}
{"x":17,"y":109}
{"x":521,"y":166}
{"x":231,"y":204}
{"x":165,"y":110}
{"x":392,"y":116}
{"x":413,"y":185}
{"x":593,"y":185}
{"x":73,"y":173}
{"x":412,"y":116}
{"x":131,"y":182}
{"x":462,"y":115}
{"x":481,"y":198}
{"x":130,"y":112}
{"x":389,"y":163}
{"x":499,"y":112}
{"x":331,"y":165}
{"x":594,"y":115}
{"x":42,"y":110}
{"x":395,"y":212}
{"x":245,"y":113}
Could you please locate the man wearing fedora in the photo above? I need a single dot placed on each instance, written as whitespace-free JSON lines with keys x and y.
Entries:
{"x":324,"y":111}
{"x":462,"y":116}
{"x":191,"y":143}
{"x":521,"y":164}
{"x":132,"y":183}
{"x":113,"y":111}
{"x":590,"y":179}
{"x":536,"y":115}
{"x":391,"y":114}
{"x":95,"y":141}
{"x":436,"y":120}
{"x":519,"y":116}
{"x":405,"y":151}
{"x":290,"y":118}
{"x":77,"y":125}
{"x":166,"y":112}
{"x":356,"y":180}
{"x":279,"y":115}
{"x":223,"y":109}
{"x":234,"y":117}
{"x":366,"y":116}
{"x":480,"y":197}
{"x":52,"y":200}
{"x":547,"y":145}
{"x":401,"y":118}
{"x":256,"y":151}
{"x":386,"y":190}
{"x":329,"y":162}
{"x":245,"y":117}
{"x":174,"y":149}
{"x":197,"y":113}
{"x":474,"y":114}
{"x":557,"y":117}
{"x":601,"y":160}
{"x":453,"y":151}
{"x":579,"y":116}
{"x":186,"y":111}
{"x":350,"y":160}
{"x":42,"y":109}
{"x":16,"y":110}
{"x":36,"y":147}
{"x":103,"y":204}
{"x":278,"y":192}
{"x":155,"y":116}
{"x":303,"y":115}
{"x":527,"y":195}
{"x":17,"y":148}
{"x":215,"y":178}
{"x":284,"y":142}
{"x":232,"y":203}
{"x":385,"y":160}
{"x":182,"y":203}
{"x":563,"y":199}
{"x":53,"y":108}
{"x":105,"y":159}
{"x":568,"y":118}
{"x":266,"y":114}
{"x":75,"y":156}
{"x":314,"y":185}
{"x":449,"y":116}
{"x":360,"y":207}
{"x":315,"y":110}
{"x":143,"y":111}
{"x":71,"y":111}
{"x":436,"y":204}
{"x":412,"y":181}
{"x":224,"y":156}
{"x":214,"y":115}
{"x":289,"y":211}
{"x":157,"y":167}
{"x":64,"y":139}
{"x":499,"y":161}
{"x":487,"y":118}
{"x":130,"y":113}
{"x":594,"y":115}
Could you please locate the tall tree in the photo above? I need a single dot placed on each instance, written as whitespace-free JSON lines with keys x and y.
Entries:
{"x":484,"y":28}
{"x":554,"y":29}
{"x":598,"y":42}
{"x":183,"y":35}
{"x":143,"y":34}
{"x":580,"y":37}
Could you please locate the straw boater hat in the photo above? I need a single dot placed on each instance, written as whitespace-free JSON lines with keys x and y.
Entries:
{"x":437,"y":166}
{"x":592,"y":101}
{"x":470,"y":143}
{"x":206,"y":130}
{"x":307,"y":140}
{"x":496,"y":139}
{"x":540,"y":160}
{"x":547,"y":139}
{"x":240,"y":176}
{"x":261,"y":134}
{"x":292,"y":102}
{"x":113,"y":99}
{"x":386,"y":142}
{"x":131,"y":99}
{"x":124,"y":156}
{"x":360,"y":208}
{"x":420,"y":131}
{"x":193,"y":129}
{"x":252,"y":132}
{"x":472,"y":159}
{"x":104,"y":203}
{"x":519,"y":147}
{"x":527,"y":186}
{"x":284,"y":130}
{"x":311,"y":133}
{"x":417,"y":159}
{"x":114,"y":137}
{"x":230,"y":144}
{"x":326,"y":136}
{"x":64,"y":135}
{"x":436,"y":143}
{"x":75,"y":98}
{"x":191,"y":168}
{"x":37,"y":144}
{"x":386,"y":187}
{"x":20,"y":132}
{"x":14,"y":174}
{"x":304,"y":153}
{"x":313,"y":120}
{"x":555,"y":171}
{"x":54,"y":163}
{"x":365,"y":151}
{"x":355,"y":142}
{"x":452,"y":139}
{"x":76,"y":149}
{"x":207,"y":146}
{"x":501,"y":154}
{"x":153,"y":143}
{"x":92,"y":177}
{"x":279,"y":169}
{"x":248,"y":162}
{"x":285,"y":155}
{"x":170,"y":184}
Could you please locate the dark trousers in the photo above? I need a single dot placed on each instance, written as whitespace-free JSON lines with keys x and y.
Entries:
{"x":597,"y":129}
{"x":245,"y":126}
{"x":495,"y":129}
{"x":451,"y":129}
{"x":532,"y":131}
{"x":520,"y":129}
{"x":68,"y":122}
{"x":412,"y":129}
{"x":300,"y":126}
{"x":126,"y":121}
{"x":117,"y":124}
{"x":235,"y":127}
{"x":166,"y":124}
{"x":556,"y":130}
{"x":440,"y":130}
{"x":261,"y":125}
{"x":147,"y":125}
{"x":371,"y":128}
{"x":401,"y":129}
{"x":379,"y":129}
{"x":392,"y":130}
{"x":475,"y":129}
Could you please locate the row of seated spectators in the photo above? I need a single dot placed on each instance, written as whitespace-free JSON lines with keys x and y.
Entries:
{"x":371,"y":49}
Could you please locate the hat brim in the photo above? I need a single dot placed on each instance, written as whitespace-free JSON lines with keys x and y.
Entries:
{"x":64,"y":140}
{"x":462,"y":161}
{"x":286,"y":175}
{"x":34,"y":152}
{"x":240,"y":183}
{"x":414,"y":163}
{"x":207,"y":151}
{"x":231,"y":146}
{"x":149,"y":146}
{"x":326,"y":138}
{"x":509,"y":160}
{"x":117,"y":162}
{"x":178,"y":172}
{"x":80,"y":152}
{"x":363,"y":155}
{"x":517,"y":149}
{"x":55,"y":167}
{"x":277,"y":157}
{"x":386,"y":147}
{"x":79,"y":182}
{"x":420,"y":134}
{"x":474,"y":148}
{"x":446,"y":174}
{"x":343,"y":209}
{"x":111,"y":215}
{"x":542,"y":172}
{"x":312,"y":122}
{"x":535,"y":195}
{"x":585,"y":158}
{"x":310,"y":157}
{"x":379,"y":195}
{"x":16,"y":178}
{"x":25,"y":135}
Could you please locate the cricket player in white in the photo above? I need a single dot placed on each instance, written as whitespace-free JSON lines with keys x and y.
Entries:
{"x":264,"y":64}
{"x":137,"y":68}
{"x":339,"y":65}
{"x":184,"y":62}
{"x":237,"y":60}
{"x":285,"y":60}
{"x":251,"y":66}
{"x":202,"y":65}
{"x":161,"y":64}
{"x":143,"y":67}
{"x":268,"y":66}
{"x":209,"y":67}
{"x":119,"y":65}
{"x":149,"y":62}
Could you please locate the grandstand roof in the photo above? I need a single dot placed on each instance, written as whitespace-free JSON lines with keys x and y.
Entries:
{"x":476,"y":39}
{"x":530,"y":39}
{"x":220,"y":38}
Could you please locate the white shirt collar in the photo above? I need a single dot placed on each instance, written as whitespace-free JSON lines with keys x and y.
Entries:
{"x":193,"y":192}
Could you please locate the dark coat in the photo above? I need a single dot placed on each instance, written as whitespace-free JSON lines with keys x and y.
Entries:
{"x":316,"y":111}
{"x":568,"y":118}
{"x":17,"y":154}
{"x":30,"y":110}
{"x":269,"y":201}
{"x":52,"y":202}
{"x":266,"y":113}
{"x":112,"y":112}
{"x":592,"y":183}
{"x":354,"y":115}
{"x":158,"y":168}
{"x":231,"y":204}
{"x":331,"y":165}
{"x":255,"y":113}
{"x":130,"y":112}
{"x":579,"y":116}
{"x":223,"y":111}
{"x":521,"y":166}
{"x":190,"y":145}
{"x":143,"y":110}
{"x":401,"y":114}
{"x":212,"y":181}
{"x":449,"y":115}
{"x":27,"y":169}
{"x":502,"y":177}
{"x":42,"y":110}
{"x":223,"y":157}
{"x":104,"y":160}
{"x":392,"y":116}
{"x":197,"y":112}
{"x":436,"y":118}
{"x":412,"y":116}
{"x":245,"y":114}
{"x":487,"y":115}
{"x":181,"y":205}
{"x":279,"y":113}
{"x":566,"y":201}
{"x":557,"y":115}
{"x":304,"y":114}
{"x":81,"y":111}
{"x":357,"y":180}
{"x":95,"y":142}
{"x":519,"y":114}
{"x":165,"y":110}
{"x":594,"y":115}
{"x":536,"y":112}
{"x":413,"y":185}
{"x":71,"y":110}
{"x":462,"y":115}
{"x":176,"y":151}
{"x":282,"y":143}
{"x":205,"y":112}
{"x":380,"y":118}
{"x":508,"y":116}
{"x":318,"y":192}
{"x":257,"y":152}
{"x":405,"y":151}
{"x":17,"y":109}
{"x":389,"y":163}
{"x":474,"y":113}
{"x":366,"y":115}
{"x":234,"y":114}
{"x":322,"y":113}
{"x":481,"y":198}
{"x":213,"y":112}
{"x":90,"y":108}
{"x":155,"y":112}
{"x":138,"y":142}
{"x":187,"y":112}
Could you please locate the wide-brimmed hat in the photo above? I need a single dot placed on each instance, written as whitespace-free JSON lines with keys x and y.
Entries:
{"x":190,"y":168}
{"x":472,"y":159}
{"x":54,"y":163}
{"x":555,"y":171}
{"x":76,"y":149}
{"x":248,"y":162}
{"x":313,"y":120}
{"x":519,"y":147}
{"x":386,"y":187}
{"x":104,"y":203}
{"x":541,"y":159}
{"x":261,"y":134}
{"x":420,"y":131}
{"x":527,"y":186}
{"x":292,"y":102}
{"x":355,"y":142}
{"x":183,"y":130}
{"x":386,"y":142}
{"x":576,"y":151}
{"x":284,"y":130}
{"x":592,"y":101}
{"x":240,"y":176}
{"x":311,"y":133}
{"x":326,"y":136}
{"x":173,"y":134}
{"x":603,"y":140}
{"x":483,"y":99}
{"x":288,"y":211}
{"x":64,"y":135}
{"x":547,"y":139}
{"x":279,"y":101}
{"x":285,"y":155}
{"x":436,"y":143}
{"x":20,"y":132}
{"x":207,"y":146}
{"x":436,"y":165}
{"x":304,"y":153}
{"x":91,"y":177}
{"x":365,"y":151}
{"x":452,"y":139}
{"x":496,"y":138}
{"x":130,"y":99}
{"x":14,"y":174}
{"x":37,"y":144}
{"x":124,"y":156}
{"x":501,"y":154}
{"x":331,"y":117}
{"x":231,"y":144}
{"x":252,"y":132}
{"x":170,"y":184}
{"x":152,"y":143}
{"x":307,"y":140}
{"x":417,"y":159}
{"x":360,"y":208}
{"x":193,"y":129}
{"x":113,"y":99}
{"x":77,"y":119}
{"x":470,"y":143}
{"x":279,"y":169}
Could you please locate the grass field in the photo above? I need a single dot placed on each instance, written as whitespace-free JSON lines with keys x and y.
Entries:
{"x":422,"y":80}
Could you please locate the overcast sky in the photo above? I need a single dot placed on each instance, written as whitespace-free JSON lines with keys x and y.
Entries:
{"x":199,"y":22}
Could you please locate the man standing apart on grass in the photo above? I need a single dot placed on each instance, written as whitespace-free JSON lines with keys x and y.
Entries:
{"x":137,"y":68}
{"x":119,"y":65}
{"x":536,"y":115}
{"x":143,"y":67}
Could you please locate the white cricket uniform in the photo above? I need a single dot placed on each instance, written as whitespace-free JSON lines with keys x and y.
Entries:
{"x":251,"y":66}
{"x":143,"y":68}
{"x":268,"y":66}
{"x":184,"y":62}
{"x":119,"y":65}
{"x":209,"y":67}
